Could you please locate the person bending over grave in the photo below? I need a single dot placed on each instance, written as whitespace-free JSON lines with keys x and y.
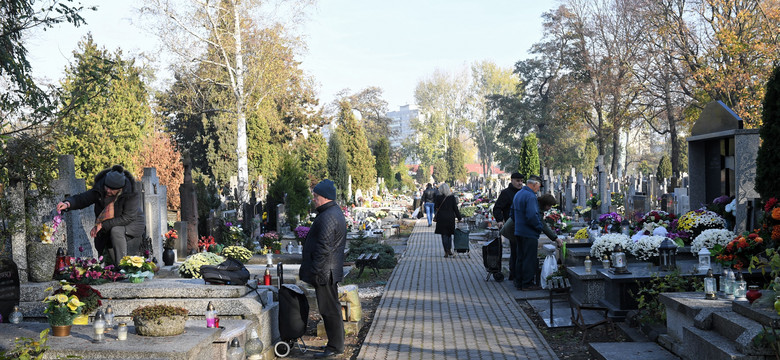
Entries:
{"x":119,"y":217}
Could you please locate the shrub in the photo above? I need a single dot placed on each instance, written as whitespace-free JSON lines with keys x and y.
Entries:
{"x":154,"y":312}
{"x":365,"y":245}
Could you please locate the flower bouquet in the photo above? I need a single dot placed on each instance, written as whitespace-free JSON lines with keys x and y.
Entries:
{"x":610,"y":221}
{"x":652,"y":220}
{"x":556,"y":220}
{"x":87,"y":270}
{"x":581,"y":234}
{"x":190,"y":268}
{"x":239,"y":253}
{"x":232,"y":234}
{"x":739,"y":252}
{"x":301,"y":232}
{"x":206,"y":242}
{"x":605,"y":244}
{"x":692,"y":223}
{"x":271,"y":241}
{"x":710,"y":238}
{"x":62,"y":305}
{"x":170,"y":239}
{"x":646,"y":247}
{"x":136,"y":268}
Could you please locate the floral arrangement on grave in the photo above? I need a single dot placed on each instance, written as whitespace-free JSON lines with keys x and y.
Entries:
{"x":206,"y":243}
{"x":468,"y":211}
{"x":271,"y":241}
{"x":692,"y":223}
{"x":719,"y":205}
{"x":381,"y":214}
{"x":159,"y":320}
{"x":605,"y":244}
{"x":62,"y":305}
{"x":170,"y":239}
{"x":265,"y":250}
{"x":136,"y":268}
{"x":610,"y":222}
{"x":652,"y":220}
{"x":232,"y":234}
{"x":557,"y":221}
{"x":90,"y":297}
{"x":771,"y":222}
{"x":236,"y":252}
{"x":711,"y":238}
{"x":348,"y":218}
{"x":645,"y":248}
{"x":87,"y":270}
{"x":594,"y":202}
{"x":581,"y":234}
{"x":190,"y":268}
{"x":301,"y":232}
{"x":740,"y":251}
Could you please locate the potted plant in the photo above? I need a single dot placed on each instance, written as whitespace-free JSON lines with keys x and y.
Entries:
{"x":190,"y":268}
{"x":91,"y":299}
{"x":205,"y":243}
{"x":61,"y":307}
{"x":136,"y":268}
{"x":271,"y":241}
{"x":168,"y":255}
{"x":159,"y":320}
{"x":239,"y":253}
{"x":300,"y":235}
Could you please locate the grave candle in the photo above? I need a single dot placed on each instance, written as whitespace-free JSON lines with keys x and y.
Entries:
{"x":211,"y":315}
{"x":121,"y":332}
{"x":709,"y":286}
{"x":99,"y":327}
{"x":588,"y":264}
{"x":740,"y":288}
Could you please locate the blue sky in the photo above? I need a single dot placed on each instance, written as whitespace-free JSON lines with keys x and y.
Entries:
{"x":351,"y":43}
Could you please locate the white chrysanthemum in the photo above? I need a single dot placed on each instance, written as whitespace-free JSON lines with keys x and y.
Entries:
{"x":711,"y":237}
{"x":646,"y":247}
{"x":606,"y":243}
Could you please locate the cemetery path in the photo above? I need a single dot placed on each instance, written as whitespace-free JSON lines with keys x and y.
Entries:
{"x":442,"y":308}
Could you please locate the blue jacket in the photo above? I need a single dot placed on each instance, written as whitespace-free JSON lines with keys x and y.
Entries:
{"x":525,"y":211}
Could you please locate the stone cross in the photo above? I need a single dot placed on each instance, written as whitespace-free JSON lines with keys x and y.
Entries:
{"x":569,"y":192}
{"x":189,"y":211}
{"x":155,"y":209}
{"x":603,"y":191}
{"x":78,"y":223}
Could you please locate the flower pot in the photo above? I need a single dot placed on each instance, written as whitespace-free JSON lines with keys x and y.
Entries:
{"x":81,"y":320}
{"x":41,"y":259}
{"x":163,"y":326}
{"x":60,"y":330}
{"x":168,"y":257}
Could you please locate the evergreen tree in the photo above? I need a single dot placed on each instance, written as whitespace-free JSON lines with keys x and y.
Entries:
{"x":110,"y":127}
{"x":664,"y":170}
{"x":683,"y":157}
{"x":382,"y":155}
{"x":338,"y":170}
{"x":767,"y":171}
{"x":404,"y":182}
{"x":423,"y":175}
{"x":292,"y":182}
{"x":441,"y":172}
{"x":313,"y":154}
{"x":456,"y":158}
{"x":529,"y":156}
{"x":360,"y":162}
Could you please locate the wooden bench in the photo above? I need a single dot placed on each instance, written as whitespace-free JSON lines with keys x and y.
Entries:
{"x":561,"y":287}
{"x":367,"y":259}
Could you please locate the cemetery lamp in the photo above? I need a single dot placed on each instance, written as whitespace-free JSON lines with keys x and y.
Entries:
{"x":704,"y":259}
{"x":60,"y":261}
{"x":588,"y":264}
{"x":605,"y":262}
{"x":723,"y":280}
{"x":667,"y":251}
{"x":254,"y":347}
{"x":625,"y":228}
{"x":99,"y":327}
{"x":211,"y":316}
{"x":593,"y":232}
{"x":709,"y":286}
{"x":235,"y":352}
{"x":621,"y":265}
{"x":740,"y":288}
{"x":730,"y":282}
{"x":109,"y":317}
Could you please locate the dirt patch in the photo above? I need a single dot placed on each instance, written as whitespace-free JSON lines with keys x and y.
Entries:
{"x":567,"y":342}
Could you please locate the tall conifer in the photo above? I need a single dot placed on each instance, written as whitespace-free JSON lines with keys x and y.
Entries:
{"x":767,"y":169}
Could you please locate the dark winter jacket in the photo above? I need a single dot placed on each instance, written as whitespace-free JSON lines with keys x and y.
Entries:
{"x":504,"y":203}
{"x":445,"y":217}
{"x":323,"y":250}
{"x":128,"y":209}
{"x":525,"y":210}
{"x":429,"y":195}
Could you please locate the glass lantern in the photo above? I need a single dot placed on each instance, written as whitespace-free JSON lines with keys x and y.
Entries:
{"x":593,"y":232}
{"x":704,"y":259}
{"x":730,"y":280}
{"x":99,"y":327}
{"x":625,"y":228}
{"x":621,"y":264}
{"x":109,"y":317}
{"x":235,"y":352}
{"x":709,"y":286}
{"x":605,"y":262}
{"x":740,"y":288}
{"x":722,"y":281}
{"x":211,"y":316}
{"x":668,"y":253}
{"x":254,"y":347}
{"x":588,"y":264}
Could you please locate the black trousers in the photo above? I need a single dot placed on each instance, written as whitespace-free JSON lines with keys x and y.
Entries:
{"x":330,"y":310}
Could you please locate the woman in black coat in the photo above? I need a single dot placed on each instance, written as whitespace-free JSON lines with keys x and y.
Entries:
{"x":445,"y":217}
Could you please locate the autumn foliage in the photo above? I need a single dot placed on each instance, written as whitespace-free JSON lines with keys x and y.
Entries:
{"x":159,"y":151}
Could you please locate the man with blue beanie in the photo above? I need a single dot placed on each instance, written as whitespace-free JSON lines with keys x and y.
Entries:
{"x":323,"y":263}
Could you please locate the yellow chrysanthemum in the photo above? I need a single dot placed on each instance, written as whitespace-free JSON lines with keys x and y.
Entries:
{"x":61,"y":298}
{"x":74,"y":304}
{"x":68,"y":288}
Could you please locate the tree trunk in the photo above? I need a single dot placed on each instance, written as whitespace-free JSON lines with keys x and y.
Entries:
{"x":241,"y":147}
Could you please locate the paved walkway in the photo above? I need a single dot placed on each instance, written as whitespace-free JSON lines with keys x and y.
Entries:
{"x":442,"y":308}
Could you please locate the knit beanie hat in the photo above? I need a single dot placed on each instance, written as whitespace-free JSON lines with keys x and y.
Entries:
{"x":115,"y":180}
{"x":326,"y":189}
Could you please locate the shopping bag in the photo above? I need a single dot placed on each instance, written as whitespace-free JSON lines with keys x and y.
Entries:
{"x":549,"y":266}
{"x":416,"y":213}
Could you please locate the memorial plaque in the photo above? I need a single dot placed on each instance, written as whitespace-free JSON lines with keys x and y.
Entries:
{"x":9,"y":287}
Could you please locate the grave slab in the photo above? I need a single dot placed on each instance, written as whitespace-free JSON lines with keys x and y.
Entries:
{"x":630,"y":350}
{"x":586,"y":288}
{"x":683,"y":308}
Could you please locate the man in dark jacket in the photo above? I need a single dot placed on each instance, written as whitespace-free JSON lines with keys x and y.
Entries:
{"x":528,"y":226}
{"x":323,"y":262}
{"x":429,"y":196}
{"x":501,"y":214}
{"x":119,"y":216}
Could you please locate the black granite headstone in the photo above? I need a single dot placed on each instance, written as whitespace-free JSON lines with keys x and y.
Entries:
{"x":9,"y":287}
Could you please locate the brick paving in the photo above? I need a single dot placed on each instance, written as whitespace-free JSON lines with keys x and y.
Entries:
{"x":442,"y":308}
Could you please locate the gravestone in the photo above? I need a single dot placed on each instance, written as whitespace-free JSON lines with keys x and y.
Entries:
{"x":569,"y":193}
{"x":582,"y":191}
{"x":189,"y":211}
{"x":155,"y":209}
{"x":77,"y":223}
{"x":180,"y":244}
{"x":723,"y":154}
{"x":9,"y":287}
{"x":281,"y":219}
{"x":682,"y":204}
{"x":640,"y":204}
{"x":15,"y":195}
{"x":604,"y":194}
